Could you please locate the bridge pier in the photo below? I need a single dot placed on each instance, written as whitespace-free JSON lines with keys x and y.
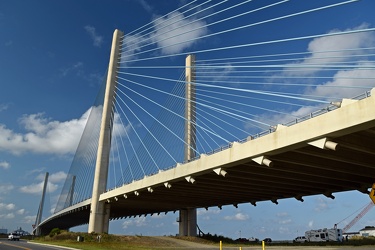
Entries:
{"x":107,"y":211}
{"x":100,"y":211}
{"x":188,"y":222}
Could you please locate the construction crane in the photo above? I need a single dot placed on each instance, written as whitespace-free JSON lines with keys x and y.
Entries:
{"x":358,"y":217}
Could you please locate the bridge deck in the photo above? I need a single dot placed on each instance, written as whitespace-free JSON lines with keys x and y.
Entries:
{"x":300,"y":166}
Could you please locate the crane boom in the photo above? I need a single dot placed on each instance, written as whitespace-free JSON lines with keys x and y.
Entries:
{"x":358,"y":217}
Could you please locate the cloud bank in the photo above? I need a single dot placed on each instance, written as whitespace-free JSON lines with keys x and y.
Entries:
{"x":167,"y":35}
{"x":343,"y":82}
{"x":54,"y":180}
{"x":175,"y":33}
{"x":43,"y":135}
{"x":328,"y":50}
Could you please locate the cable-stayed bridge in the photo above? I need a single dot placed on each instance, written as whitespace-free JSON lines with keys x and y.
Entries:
{"x":194,"y":114}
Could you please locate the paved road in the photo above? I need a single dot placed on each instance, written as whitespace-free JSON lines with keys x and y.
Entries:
{"x":24,"y":245}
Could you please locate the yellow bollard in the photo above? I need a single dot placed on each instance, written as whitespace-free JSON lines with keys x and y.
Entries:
{"x":221,"y":245}
{"x":263,"y":245}
{"x":240,"y":248}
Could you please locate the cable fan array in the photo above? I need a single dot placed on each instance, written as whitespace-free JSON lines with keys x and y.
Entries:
{"x":253,"y":70}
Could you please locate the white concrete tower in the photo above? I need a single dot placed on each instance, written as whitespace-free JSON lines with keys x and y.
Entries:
{"x":99,"y":214}
{"x":41,"y":205}
{"x":188,"y":216}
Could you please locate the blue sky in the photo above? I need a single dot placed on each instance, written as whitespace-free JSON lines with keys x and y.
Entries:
{"x":53,"y":57}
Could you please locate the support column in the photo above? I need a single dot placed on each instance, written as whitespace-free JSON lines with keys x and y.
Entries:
{"x":188,"y":216}
{"x":107,"y":212}
{"x":98,"y":211}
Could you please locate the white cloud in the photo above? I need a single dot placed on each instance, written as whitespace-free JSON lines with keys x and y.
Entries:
{"x":9,"y":206}
{"x":221,"y":75}
{"x":238,"y":216}
{"x":6,"y":188}
{"x":206,"y":214}
{"x":311,"y":224}
{"x":158,"y":216}
{"x":131,"y":45}
{"x":37,"y":188}
{"x":7,"y":216}
{"x":284,"y":220}
{"x":175,"y":33}
{"x":344,"y":83}
{"x":43,"y":135}
{"x":321,"y":204}
{"x":55,"y":177}
{"x":74,"y":68}
{"x":287,"y":221}
{"x":97,"y":39}
{"x":4,"y":165}
{"x":282,"y":118}
{"x":137,"y":222}
{"x":145,"y":5}
{"x":347,"y":78}
{"x":343,"y":46}
{"x":30,"y":219}
{"x":209,"y":211}
{"x":20,"y":211}
{"x":118,"y":129}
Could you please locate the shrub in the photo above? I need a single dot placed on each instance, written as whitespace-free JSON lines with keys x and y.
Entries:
{"x":54,"y":232}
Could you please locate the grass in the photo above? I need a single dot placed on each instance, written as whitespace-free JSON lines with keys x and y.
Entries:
{"x":107,"y":242}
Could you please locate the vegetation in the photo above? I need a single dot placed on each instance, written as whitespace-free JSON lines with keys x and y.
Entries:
{"x":54,"y":232}
{"x":217,"y":238}
{"x":93,"y":241}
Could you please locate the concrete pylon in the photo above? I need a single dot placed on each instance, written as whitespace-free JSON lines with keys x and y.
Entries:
{"x":41,"y":205}
{"x":99,"y":214}
{"x":188,"y":216}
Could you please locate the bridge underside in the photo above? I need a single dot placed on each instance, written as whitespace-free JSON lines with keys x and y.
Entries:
{"x":296,"y":173}
{"x":67,"y":220}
